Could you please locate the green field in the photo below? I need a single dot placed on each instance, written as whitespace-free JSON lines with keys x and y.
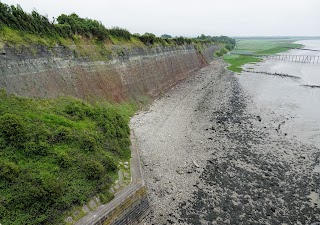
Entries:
{"x":256,"y":46}
{"x":56,"y":154}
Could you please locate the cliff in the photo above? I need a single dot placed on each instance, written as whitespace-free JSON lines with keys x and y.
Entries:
{"x":131,"y":73}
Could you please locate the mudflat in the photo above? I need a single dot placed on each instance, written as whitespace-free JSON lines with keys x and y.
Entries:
{"x":216,"y":149}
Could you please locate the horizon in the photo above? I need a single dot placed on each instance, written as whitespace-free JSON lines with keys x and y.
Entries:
{"x":245,"y":18}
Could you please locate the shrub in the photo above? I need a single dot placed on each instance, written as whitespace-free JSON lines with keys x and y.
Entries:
{"x":63,"y":159}
{"x":229,"y":47}
{"x":218,"y":54}
{"x":179,"y":40}
{"x":36,"y":148}
{"x":148,"y":38}
{"x":221,"y":52}
{"x":74,"y":110}
{"x":50,"y":184}
{"x":166,"y":36}
{"x":61,"y":134}
{"x":105,"y":198}
{"x":3,"y":212}
{"x":109,"y":163}
{"x":85,"y":27}
{"x":120,"y":33}
{"x":88,"y":142}
{"x":93,"y":170}
{"x":12,"y":129}
{"x":78,"y":110}
{"x":8,"y":170}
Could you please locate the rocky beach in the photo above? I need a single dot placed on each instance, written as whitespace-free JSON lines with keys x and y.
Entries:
{"x":222,"y":148}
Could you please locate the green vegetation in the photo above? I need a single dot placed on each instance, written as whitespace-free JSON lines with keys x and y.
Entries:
{"x":221,"y":52}
{"x":237,"y":61}
{"x":239,"y":58}
{"x":20,"y":28}
{"x":228,"y":43}
{"x":166,"y":36}
{"x":57,"y":153}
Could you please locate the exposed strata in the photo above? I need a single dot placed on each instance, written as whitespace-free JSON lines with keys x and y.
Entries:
{"x":43,"y":72}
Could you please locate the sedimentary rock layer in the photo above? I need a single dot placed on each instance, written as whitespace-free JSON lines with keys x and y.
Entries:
{"x":132,"y":74}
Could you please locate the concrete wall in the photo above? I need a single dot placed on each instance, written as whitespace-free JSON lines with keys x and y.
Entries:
{"x":134,"y":73}
{"x":129,"y":207}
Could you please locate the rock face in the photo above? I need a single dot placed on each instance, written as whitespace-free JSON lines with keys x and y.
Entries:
{"x":133,"y":73}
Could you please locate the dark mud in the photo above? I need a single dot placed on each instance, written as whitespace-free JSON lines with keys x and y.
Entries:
{"x":283,"y":75}
{"x":311,"y":86}
{"x":245,"y":181}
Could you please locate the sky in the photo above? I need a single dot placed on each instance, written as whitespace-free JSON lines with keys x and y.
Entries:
{"x":191,"y":18}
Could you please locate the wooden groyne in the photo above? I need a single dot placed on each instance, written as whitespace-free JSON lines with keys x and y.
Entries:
{"x":294,"y":58}
{"x":290,"y":58}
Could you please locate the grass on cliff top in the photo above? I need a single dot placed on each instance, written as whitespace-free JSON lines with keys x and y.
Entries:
{"x":83,"y":46}
{"x":17,"y":38}
{"x":259,"y":47}
{"x":57,"y":153}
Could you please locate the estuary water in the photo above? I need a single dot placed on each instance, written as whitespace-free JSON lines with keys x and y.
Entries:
{"x":298,"y":97}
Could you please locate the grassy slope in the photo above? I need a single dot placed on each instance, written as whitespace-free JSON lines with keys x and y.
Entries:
{"x":96,"y":50}
{"x":252,"y":46}
{"x":17,"y":38}
{"x":57,"y":153}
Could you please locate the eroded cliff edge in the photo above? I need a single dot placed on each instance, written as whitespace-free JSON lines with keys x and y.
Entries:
{"x":38,"y":71}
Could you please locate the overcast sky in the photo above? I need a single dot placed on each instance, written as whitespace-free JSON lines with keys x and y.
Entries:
{"x":193,"y":17}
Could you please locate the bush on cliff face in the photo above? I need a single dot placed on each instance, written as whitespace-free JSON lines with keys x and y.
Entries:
{"x":12,"y":129}
{"x":83,"y":26}
{"x":120,"y":33}
{"x":148,"y":38}
{"x":57,"y":153}
{"x":221,"y":52}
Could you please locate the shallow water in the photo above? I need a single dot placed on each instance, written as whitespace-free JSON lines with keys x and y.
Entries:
{"x":298,"y":98}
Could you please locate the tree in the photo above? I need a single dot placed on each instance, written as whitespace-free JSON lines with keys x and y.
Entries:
{"x":166,"y":36}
